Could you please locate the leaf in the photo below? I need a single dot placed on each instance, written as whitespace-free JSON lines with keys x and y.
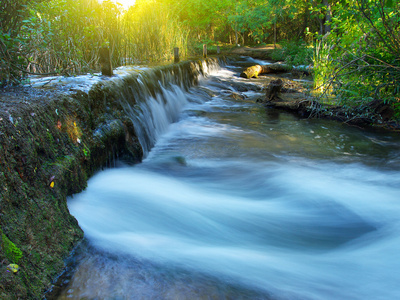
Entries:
{"x":13,"y":268}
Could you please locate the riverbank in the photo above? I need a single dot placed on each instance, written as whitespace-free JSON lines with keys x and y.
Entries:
{"x":51,"y":143}
{"x":296,"y":98}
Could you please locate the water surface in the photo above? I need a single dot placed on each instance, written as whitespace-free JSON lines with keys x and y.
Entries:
{"x":238,"y":202}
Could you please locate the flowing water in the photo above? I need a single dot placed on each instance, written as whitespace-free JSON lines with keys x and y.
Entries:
{"x":237,"y":202}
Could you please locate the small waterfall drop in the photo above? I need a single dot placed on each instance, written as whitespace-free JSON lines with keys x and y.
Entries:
{"x":153,"y":99}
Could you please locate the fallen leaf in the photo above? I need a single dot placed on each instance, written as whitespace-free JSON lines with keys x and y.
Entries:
{"x":13,"y":268}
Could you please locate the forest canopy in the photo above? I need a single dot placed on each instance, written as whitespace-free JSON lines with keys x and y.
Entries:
{"x":354,"y":45}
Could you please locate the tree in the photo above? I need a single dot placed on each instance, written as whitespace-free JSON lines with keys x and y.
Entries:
{"x":363,"y":50}
{"x":328,"y":16}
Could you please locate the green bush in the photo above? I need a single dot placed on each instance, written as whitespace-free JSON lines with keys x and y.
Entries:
{"x":294,"y":53}
{"x":358,"y":62}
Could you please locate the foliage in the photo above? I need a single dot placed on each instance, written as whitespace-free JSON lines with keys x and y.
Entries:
{"x":364,"y":64}
{"x":150,"y":34}
{"x":322,"y":65}
{"x":64,"y":36}
{"x":12,"y":14}
{"x":294,"y":53}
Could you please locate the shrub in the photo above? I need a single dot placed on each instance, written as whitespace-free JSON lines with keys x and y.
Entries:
{"x":294,"y":53}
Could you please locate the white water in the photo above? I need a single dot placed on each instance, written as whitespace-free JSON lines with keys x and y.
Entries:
{"x":80,"y":82}
{"x":156,"y":114}
{"x":235,"y":203}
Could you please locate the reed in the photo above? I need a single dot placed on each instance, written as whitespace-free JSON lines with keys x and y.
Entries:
{"x":64,"y":36}
{"x":322,"y":70}
{"x":151,"y":34}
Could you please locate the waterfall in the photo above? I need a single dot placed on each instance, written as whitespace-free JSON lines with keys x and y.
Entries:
{"x":153,"y":98}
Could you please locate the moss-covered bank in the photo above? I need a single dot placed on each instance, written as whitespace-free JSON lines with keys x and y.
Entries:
{"x":50,"y":144}
{"x":48,"y":149}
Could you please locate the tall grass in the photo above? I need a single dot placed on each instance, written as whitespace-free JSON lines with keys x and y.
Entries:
{"x":323,"y":69}
{"x":64,"y":37}
{"x":151,"y":34}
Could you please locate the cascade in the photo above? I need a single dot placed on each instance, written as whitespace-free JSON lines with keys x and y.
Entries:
{"x":154,"y":98}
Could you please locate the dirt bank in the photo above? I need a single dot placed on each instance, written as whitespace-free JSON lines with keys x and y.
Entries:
{"x":295,"y":97}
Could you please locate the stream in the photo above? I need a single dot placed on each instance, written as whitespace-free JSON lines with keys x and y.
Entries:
{"x":235,"y":201}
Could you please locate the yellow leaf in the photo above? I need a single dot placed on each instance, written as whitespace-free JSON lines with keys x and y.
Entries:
{"x":52,"y":184}
{"x":13,"y":268}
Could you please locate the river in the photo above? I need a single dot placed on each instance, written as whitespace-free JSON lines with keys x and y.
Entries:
{"x":234,"y":201}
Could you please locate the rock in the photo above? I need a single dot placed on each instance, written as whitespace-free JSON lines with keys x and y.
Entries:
{"x":237,"y":96}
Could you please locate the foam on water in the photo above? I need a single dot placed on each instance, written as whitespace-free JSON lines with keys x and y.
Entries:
{"x":307,"y":233}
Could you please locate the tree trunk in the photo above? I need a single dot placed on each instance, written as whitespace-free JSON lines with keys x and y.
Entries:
{"x":305,"y":20}
{"x":105,"y":61}
{"x":328,"y":16}
{"x":236,"y":35}
{"x":253,"y":71}
{"x":256,"y":70}
{"x":176,"y":55}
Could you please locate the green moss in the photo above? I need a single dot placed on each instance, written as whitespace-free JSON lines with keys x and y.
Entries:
{"x":12,"y":252}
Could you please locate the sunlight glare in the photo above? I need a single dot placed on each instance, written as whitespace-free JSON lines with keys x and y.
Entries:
{"x":125,"y":3}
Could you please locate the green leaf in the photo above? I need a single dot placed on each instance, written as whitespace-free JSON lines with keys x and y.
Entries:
{"x":389,"y":3}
